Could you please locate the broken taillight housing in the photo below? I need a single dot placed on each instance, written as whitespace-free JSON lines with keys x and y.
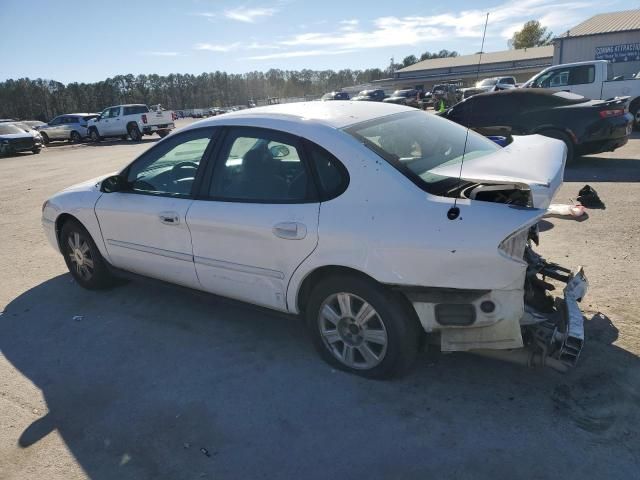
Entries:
{"x":513,"y":246}
{"x":616,"y":112}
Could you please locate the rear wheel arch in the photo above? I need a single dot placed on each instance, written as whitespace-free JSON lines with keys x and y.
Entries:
{"x":566,"y":135}
{"x":634,"y":109}
{"x":316,"y":276}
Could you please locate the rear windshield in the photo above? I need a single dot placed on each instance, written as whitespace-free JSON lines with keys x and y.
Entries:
{"x":9,"y":129}
{"x":417,"y":142}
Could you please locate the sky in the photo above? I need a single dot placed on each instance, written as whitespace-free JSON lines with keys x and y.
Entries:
{"x":85,"y":41}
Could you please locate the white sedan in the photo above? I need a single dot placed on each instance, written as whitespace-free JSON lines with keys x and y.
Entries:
{"x":378,"y":223}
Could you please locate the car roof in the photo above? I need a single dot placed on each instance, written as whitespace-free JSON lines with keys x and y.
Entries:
{"x":75,"y":114}
{"x":333,"y":114}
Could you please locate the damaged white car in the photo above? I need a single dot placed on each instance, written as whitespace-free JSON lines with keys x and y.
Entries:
{"x":360,"y":216}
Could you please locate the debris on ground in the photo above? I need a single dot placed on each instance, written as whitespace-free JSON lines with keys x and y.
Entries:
{"x":566,"y":210}
{"x":588,"y":197}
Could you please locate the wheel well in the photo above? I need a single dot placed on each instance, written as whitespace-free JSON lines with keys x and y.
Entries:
{"x":634,"y":104}
{"x":132,"y":124}
{"x":60,"y":221}
{"x":319,"y":274}
{"x":566,"y":132}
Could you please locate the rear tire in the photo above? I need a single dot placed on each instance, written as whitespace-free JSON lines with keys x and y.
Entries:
{"x":359,"y":326}
{"x":83,"y":259}
{"x":163,"y":133}
{"x":75,"y":137}
{"x":134,"y":133}
{"x":36,"y":151}
{"x":559,"y":135}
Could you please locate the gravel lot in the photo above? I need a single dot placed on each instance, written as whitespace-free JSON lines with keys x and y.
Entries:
{"x":149,"y":381}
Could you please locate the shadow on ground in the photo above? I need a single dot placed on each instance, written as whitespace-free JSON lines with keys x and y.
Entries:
{"x":155,"y":382}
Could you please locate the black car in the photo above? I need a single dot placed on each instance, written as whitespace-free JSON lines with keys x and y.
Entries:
{"x":370,"y":96}
{"x":14,"y":140}
{"x":408,"y":96}
{"x":335,"y":96}
{"x":585,"y":126}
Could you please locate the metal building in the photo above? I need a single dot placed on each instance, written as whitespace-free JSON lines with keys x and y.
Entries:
{"x":609,"y":36}
{"x":464,"y":69}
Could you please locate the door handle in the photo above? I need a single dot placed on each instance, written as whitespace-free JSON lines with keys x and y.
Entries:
{"x":290,"y":230}
{"x":169,"y":218}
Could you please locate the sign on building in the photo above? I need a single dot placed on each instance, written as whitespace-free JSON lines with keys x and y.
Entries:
{"x":626,"y":52}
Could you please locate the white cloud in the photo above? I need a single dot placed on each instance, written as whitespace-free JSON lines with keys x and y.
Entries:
{"x":217,"y":47}
{"x":163,"y":54}
{"x":298,"y":53}
{"x":206,"y":14}
{"x":418,"y":31}
{"x":249,"y":15}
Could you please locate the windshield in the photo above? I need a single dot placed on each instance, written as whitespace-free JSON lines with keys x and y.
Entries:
{"x":487,"y":82}
{"x":9,"y":129}
{"x":417,"y":142}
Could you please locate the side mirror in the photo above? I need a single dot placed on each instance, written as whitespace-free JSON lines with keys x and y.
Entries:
{"x":279,"y":151}
{"x":115,"y":183}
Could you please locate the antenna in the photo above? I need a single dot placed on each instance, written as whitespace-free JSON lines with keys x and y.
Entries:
{"x":454,"y":212}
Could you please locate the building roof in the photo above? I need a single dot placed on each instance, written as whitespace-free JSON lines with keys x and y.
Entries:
{"x":606,"y":23}
{"x":488,"y":57}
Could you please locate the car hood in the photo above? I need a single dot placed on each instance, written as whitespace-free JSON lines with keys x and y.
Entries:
{"x":88,"y":185}
{"x":533,"y":160}
{"x":11,"y":136}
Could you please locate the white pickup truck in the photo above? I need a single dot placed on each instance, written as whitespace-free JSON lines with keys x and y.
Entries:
{"x":133,"y":121}
{"x":594,"y":80}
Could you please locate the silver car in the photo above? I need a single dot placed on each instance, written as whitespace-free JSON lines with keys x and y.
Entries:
{"x":71,"y":126}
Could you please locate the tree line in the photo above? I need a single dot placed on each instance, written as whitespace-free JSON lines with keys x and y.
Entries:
{"x":41,"y":99}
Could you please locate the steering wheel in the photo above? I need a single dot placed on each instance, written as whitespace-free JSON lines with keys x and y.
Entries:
{"x":187,"y":164}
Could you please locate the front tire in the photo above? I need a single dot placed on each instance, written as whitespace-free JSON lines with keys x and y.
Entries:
{"x":83,"y":259}
{"x":36,"y":151}
{"x":45,"y":138}
{"x":94,"y":135}
{"x":358,"y":326}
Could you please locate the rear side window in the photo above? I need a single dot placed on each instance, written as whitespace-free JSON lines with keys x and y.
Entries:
{"x":135,"y":109}
{"x":333,"y":177}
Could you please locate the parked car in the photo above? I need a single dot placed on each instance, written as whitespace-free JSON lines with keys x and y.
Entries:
{"x":444,"y":96}
{"x":585,"y":126}
{"x":370,"y":96}
{"x":408,"y":97}
{"x":33,"y":123}
{"x":593,"y":79}
{"x":15,"y":140}
{"x":71,"y":127}
{"x":493,"y":84}
{"x":7,"y":120}
{"x":335,"y":96}
{"x":26,"y":128}
{"x":134,"y":121}
{"x":234,"y":205}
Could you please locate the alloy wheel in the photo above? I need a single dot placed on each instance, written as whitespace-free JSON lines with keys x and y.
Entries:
{"x":80,"y":255}
{"x":352,"y":331}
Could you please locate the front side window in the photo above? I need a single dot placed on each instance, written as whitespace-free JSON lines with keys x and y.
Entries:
{"x":114,"y":112}
{"x":263,"y":166}
{"x":417,"y":142}
{"x":582,"y":74}
{"x":56,"y":121}
{"x":170,"y":168}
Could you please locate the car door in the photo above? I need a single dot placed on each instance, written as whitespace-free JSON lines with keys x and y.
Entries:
{"x":256,"y":219}
{"x":53,"y":128}
{"x":144,"y":227}
{"x":114,"y":126}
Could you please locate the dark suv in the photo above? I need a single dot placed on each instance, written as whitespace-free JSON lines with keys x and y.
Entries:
{"x":370,"y":96}
{"x":335,"y":96}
